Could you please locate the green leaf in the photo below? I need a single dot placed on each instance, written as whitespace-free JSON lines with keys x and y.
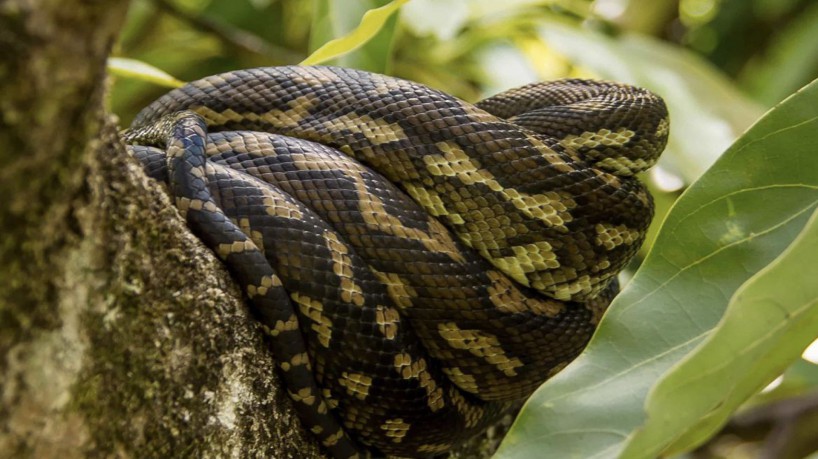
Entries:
{"x":800,"y":378}
{"x":733,"y":222}
{"x":771,"y":319}
{"x":707,"y":112}
{"x":375,"y":31}
{"x":138,"y":70}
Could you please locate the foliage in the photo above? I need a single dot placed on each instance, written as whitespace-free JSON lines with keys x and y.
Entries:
{"x":722,"y":304}
{"x":372,"y":37}
{"x":131,"y":68}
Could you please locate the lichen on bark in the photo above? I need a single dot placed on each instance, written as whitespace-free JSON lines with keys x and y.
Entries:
{"x":120,"y":334}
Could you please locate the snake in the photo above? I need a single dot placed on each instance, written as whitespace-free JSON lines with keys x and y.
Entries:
{"x":418,"y":264}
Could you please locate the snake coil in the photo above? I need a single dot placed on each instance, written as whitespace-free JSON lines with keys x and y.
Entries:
{"x":419,"y":263}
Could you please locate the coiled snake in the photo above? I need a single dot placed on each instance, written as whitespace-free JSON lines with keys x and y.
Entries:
{"x":420,"y":264}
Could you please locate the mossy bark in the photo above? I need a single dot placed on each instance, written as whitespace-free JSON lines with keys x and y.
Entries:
{"x":120,"y":334}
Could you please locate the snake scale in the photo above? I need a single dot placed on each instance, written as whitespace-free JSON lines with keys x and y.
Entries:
{"x":420,"y":264}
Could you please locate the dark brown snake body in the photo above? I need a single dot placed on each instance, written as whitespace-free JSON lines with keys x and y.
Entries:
{"x":396,"y":333}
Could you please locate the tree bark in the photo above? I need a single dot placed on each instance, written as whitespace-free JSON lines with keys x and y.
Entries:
{"x":120,"y":334}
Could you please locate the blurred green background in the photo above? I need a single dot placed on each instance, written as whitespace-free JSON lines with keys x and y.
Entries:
{"x":767,"y":48}
{"x":719,"y":64}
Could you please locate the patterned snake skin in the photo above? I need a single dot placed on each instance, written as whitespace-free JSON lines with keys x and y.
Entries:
{"x":420,"y":264}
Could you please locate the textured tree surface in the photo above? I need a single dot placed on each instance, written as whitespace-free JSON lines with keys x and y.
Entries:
{"x":120,"y":334}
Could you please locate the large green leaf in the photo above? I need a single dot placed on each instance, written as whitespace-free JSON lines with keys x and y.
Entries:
{"x":365,"y":45}
{"x":732,"y":223}
{"x":769,"y":322}
{"x":707,"y":113}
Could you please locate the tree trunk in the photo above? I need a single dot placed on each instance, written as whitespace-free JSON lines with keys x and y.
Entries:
{"x":120,"y":334}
